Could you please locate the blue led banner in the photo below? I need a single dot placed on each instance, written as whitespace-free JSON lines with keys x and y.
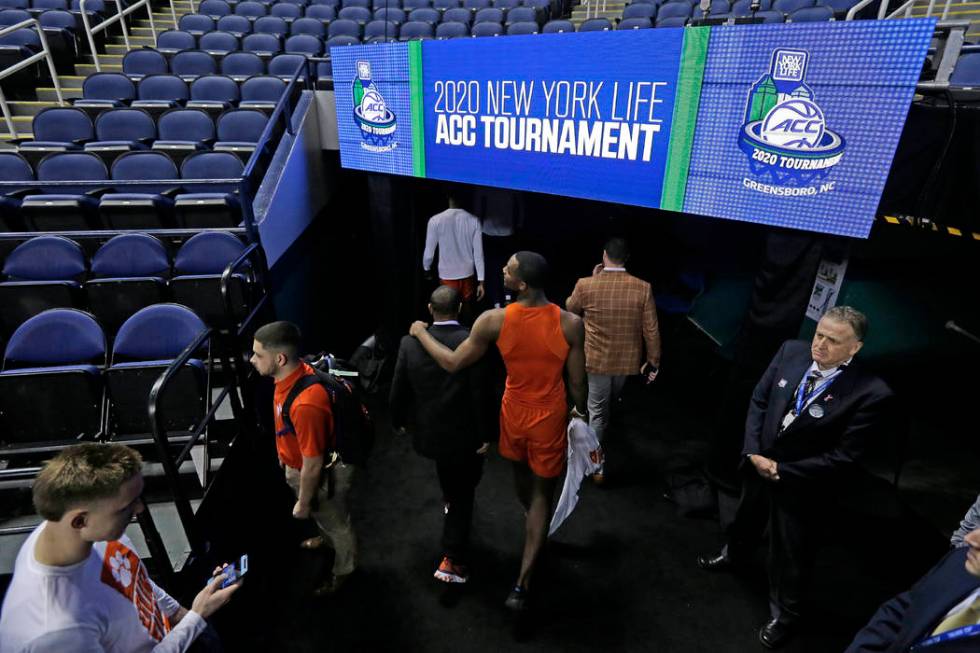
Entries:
{"x":791,"y":125}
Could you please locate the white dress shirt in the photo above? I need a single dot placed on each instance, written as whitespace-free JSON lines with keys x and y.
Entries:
{"x":457,"y":234}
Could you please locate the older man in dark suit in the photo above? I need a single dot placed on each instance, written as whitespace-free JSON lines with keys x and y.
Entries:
{"x":450,"y":422}
{"x":940,"y":613}
{"x":810,"y":419}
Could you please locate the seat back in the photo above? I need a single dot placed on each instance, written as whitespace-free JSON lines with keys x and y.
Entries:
{"x":72,"y":166}
{"x":62,"y":124}
{"x":489,"y":15}
{"x":387,"y":13}
{"x":556,"y":26}
{"x":304,"y":44}
{"x":145,"y":61}
{"x":56,"y":18}
{"x":108,"y":86}
{"x":286,"y":10}
{"x":211,"y":165}
{"x":14,"y":167}
{"x":162,"y":87}
{"x":285,"y":65}
{"x":452,"y":30}
{"x":487,"y":29}
{"x":358,"y":14}
{"x":159,"y":332}
{"x":270,"y":25}
{"x":143,"y":165}
{"x":526,"y":27}
{"x":207,"y":253}
{"x":681,"y":9}
{"x":193,"y":63}
{"x":424,"y":15}
{"x":125,"y":125}
{"x":198,"y":267}
{"x":789,"y":6}
{"x":640,"y":11}
{"x":242,"y":125}
{"x":175,"y":39}
{"x":263,"y":88}
{"x":217,"y":41}
{"x":310,"y":26}
{"x":458,"y":15}
{"x":522,"y":15}
{"x":345,"y":27}
{"x":241,"y":65}
{"x":214,"y":8}
{"x":186,"y":125}
{"x":382,"y":28}
{"x":415,"y":30}
{"x":321,"y":12}
{"x":215,"y":88}
{"x":59,"y":336}
{"x":601,"y":24}
{"x":234,"y":24}
{"x":131,"y":255}
{"x":250,"y":8}
{"x":262,"y":43}
{"x":967,"y":70}
{"x":341,"y":39}
{"x":45,"y":258}
{"x":812,"y":15}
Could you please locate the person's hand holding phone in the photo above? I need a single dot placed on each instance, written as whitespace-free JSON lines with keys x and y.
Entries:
{"x":215,"y":594}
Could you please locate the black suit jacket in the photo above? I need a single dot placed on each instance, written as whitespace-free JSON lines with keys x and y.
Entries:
{"x":811,"y":448}
{"x":911,"y":616}
{"x":448,"y":411}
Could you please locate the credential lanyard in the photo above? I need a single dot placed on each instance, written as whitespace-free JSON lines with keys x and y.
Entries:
{"x":965,"y":631}
{"x":803,"y":398}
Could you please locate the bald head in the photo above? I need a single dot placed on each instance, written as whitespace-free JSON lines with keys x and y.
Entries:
{"x":444,"y":303}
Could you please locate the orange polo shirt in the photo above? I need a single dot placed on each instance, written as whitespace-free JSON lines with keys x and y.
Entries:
{"x":311,"y":416}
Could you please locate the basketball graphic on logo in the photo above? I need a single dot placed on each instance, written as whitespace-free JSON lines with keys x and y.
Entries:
{"x":373,"y":108}
{"x":795,"y":124}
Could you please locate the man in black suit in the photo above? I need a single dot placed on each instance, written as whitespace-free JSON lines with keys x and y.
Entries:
{"x":810,"y":418}
{"x":450,"y":424}
{"x":945,"y":602}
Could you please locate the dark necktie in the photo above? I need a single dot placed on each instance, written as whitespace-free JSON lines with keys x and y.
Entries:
{"x":809,"y":385}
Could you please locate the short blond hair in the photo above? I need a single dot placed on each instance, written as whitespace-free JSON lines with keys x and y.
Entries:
{"x":82,"y":473}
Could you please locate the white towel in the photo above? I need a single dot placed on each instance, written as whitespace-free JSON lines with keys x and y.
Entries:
{"x":584,"y":457}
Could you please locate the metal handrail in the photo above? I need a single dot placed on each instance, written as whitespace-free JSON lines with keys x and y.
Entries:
{"x":905,"y":9}
{"x":253,"y":249}
{"x":185,"y":511}
{"x":119,"y":16}
{"x":852,"y":12}
{"x":45,"y":53}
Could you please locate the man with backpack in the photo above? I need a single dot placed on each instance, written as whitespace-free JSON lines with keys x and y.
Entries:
{"x":306,"y":442}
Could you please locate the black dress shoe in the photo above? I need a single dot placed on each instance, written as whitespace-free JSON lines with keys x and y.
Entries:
{"x":717,"y":562}
{"x":775,"y":633}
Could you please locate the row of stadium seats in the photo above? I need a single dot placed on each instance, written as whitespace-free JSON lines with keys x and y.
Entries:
{"x":127,"y":273}
{"x":60,"y":31}
{"x":59,"y":381}
{"x":215,"y":9}
{"x":91,"y":206}
{"x":191,"y":64}
{"x":284,"y":16}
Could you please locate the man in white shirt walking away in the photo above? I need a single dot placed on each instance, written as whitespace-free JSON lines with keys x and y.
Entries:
{"x":78,"y":583}
{"x":458,"y":235}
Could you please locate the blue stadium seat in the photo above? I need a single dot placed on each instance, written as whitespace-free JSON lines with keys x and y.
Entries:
{"x":41,"y":273}
{"x":15,"y":4}
{"x":811,"y":15}
{"x":271,"y":25}
{"x":640,"y":11}
{"x":323,"y":13}
{"x":840,"y":7}
{"x":393,"y":14}
{"x":262,"y":44}
{"x":128,"y":273}
{"x":42,"y":5}
{"x":239,"y":130}
{"x":286,"y":10}
{"x":304,"y":44}
{"x":634,"y":23}
{"x":144,"y":347}
{"x":105,"y":91}
{"x":191,"y":64}
{"x":556,"y":26}
{"x":457,"y":15}
{"x":445,"y":4}
{"x":262,"y":92}
{"x":198,"y":268}
{"x":410,"y":5}
{"x":122,"y":130}
{"x":344,"y":27}
{"x":517,"y":29}
{"x":355,"y":3}
{"x":744,"y":7}
{"x":13,"y":16}
{"x":251,"y":9}
{"x":213,"y":93}
{"x":209,"y":210}
{"x":677,"y":21}
{"x":789,"y":6}
{"x":183,"y":132}
{"x":718,"y":7}
{"x":424,"y":15}
{"x":14,"y":168}
{"x":487,"y":29}
{"x":770,"y":16}
{"x":51,"y":387}
{"x":341,"y":39}
{"x":286,"y":65}
{"x":331,"y":3}
{"x":452,"y":30}
{"x":233,"y":24}
{"x":522,"y":15}
{"x":600,"y":24}
{"x":489,"y":15}
{"x":413,"y":30}
{"x":94,"y":7}
{"x":506,"y":4}
{"x":966,"y":73}
{"x":310,"y":26}
{"x":146,"y":207}
{"x":359,"y":14}
{"x":195,"y":24}
{"x":158,"y":93}
{"x":57,"y":129}
{"x":218,"y":42}
{"x":175,"y":40}
{"x":214,"y":8}
{"x":71,"y":209}
{"x":382,"y":28}
{"x":476,"y":4}
{"x":145,"y":61}
{"x":61,"y":31}
{"x":681,"y":9}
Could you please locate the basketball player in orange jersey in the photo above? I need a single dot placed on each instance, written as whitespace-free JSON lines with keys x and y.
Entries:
{"x":538,"y":342}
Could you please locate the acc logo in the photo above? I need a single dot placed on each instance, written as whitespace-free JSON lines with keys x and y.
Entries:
{"x":785,"y":133}
{"x":371,"y":113}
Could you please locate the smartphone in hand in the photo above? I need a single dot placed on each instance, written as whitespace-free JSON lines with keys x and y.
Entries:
{"x":235,"y":573}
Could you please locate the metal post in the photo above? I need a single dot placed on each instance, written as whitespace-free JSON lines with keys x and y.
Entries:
{"x":173,"y":12}
{"x":122,"y":25}
{"x":9,"y":119}
{"x":89,"y":34}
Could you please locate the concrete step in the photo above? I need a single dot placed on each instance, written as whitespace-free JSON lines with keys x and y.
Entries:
{"x":104,"y":60}
{"x":578,"y":17}
{"x":86,"y":69}
{"x":21,"y":123}
{"x":134,"y":41}
{"x":28,"y":108}
{"x":47,"y":94}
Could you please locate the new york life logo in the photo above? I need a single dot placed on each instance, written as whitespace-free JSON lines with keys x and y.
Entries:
{"x":785,"y":136}
{"x":371,"y":112}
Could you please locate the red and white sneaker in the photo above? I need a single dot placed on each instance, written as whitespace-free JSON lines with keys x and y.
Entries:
{"x":450,"y":572}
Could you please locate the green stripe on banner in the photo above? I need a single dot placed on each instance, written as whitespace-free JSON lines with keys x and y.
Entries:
{"x":685,"y":117}
{"x":418,"y":116}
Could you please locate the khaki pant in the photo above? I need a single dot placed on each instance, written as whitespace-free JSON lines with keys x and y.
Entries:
{"x":332,"y":515}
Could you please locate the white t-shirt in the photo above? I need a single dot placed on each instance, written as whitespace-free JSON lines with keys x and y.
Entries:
{"x":106,"y":603}
{"x":460,"y":241}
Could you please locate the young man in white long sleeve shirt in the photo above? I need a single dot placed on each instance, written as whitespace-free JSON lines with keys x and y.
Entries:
{"x":459,"y":237}
{"x":78,"y":583}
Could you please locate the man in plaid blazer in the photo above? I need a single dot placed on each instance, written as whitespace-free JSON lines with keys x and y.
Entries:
{"x":621,"y":335}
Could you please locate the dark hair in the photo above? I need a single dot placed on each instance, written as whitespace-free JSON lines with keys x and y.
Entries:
{"x":617,"y":249}
{"x":445,"y":300}
{"x":282,"y":337}
{"x":532,"y":269}
{"x":851,"y":316}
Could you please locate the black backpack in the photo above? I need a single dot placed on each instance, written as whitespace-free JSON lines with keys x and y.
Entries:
{"x":353,"y":428}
